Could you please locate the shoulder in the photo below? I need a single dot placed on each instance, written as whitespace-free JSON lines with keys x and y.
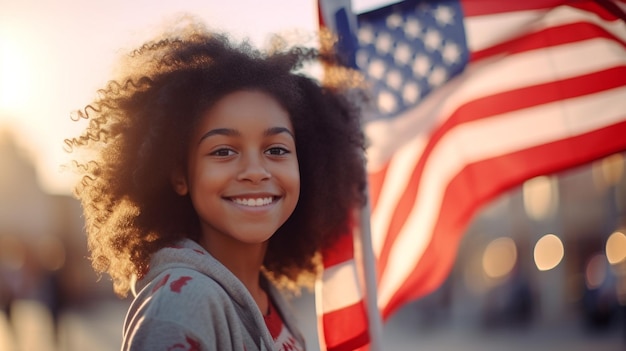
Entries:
{"x":183,"y":296}
{"x":178,"y":304}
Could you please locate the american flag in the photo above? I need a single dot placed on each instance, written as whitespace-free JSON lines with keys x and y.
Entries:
{"x":473,"y":97}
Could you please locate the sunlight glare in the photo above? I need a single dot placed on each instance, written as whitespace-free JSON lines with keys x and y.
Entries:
{"x":15,"y":76}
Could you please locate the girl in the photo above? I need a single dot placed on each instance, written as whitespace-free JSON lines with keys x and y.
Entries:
{"x":215,"y":173}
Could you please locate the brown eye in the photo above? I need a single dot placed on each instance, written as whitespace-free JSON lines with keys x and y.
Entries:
{"x":224,"y":152}
{"x":277,"y":151}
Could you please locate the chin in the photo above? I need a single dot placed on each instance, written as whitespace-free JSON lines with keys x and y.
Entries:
{"x":254,"y":239}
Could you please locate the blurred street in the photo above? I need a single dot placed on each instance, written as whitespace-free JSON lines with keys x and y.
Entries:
{"x":402,"y":334}
{"x":98,"y":328}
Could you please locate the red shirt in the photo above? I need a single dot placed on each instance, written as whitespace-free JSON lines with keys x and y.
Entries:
{"x":283,"y":339}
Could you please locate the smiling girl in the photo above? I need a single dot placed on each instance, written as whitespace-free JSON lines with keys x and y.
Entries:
{"x":217,"y":174}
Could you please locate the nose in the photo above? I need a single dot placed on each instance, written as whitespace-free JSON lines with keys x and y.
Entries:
{"x":253,"y":169}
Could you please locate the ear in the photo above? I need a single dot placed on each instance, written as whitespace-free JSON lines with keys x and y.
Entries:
{"x":179,"y":182}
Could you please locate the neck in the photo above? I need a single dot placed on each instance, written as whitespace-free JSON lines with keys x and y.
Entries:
{"x":244,"y":261}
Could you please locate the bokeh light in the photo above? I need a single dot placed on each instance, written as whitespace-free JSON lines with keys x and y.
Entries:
{"x":499,"y":258}
{"x":548,"y":252}
{"x":540,"y":197}
{"x":608,"y":171}
{"x":616,"y":247}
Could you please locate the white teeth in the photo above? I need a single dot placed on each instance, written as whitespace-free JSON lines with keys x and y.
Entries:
{"x":254,"y":202}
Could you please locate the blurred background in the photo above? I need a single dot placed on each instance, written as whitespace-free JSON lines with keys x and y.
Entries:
{"x":541,"y":267}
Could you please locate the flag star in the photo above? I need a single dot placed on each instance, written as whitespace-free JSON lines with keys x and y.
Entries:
{"x":421,"y":66}
{"x":451,"y":53}
{"x":387,"y":102}
{"x":403,"y":54}
{"x":410,"y":93}
{"x":366,"y":35}
{"x":384,"y":42}
{"x":394,"y":20}
{"x":377,"y":68}
{"x":444,"y":15}
{"x":412,"y":28}
{"x":394,"y":79}
{"x":432,"y":39}
{"x":437,"y":76}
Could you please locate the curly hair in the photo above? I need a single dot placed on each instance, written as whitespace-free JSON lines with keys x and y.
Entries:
{"x":138,"y":131}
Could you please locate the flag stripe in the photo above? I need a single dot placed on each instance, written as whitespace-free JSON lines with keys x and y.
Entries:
{"x":488,"y":7}
{"x":497,"y":176}
{"x":376,"y":182}
{"x":340,"y":251}
{"x":480,"y":33}
{"x":555,"y":35}
{"x":597,"y":8}
{"x":535,"y":95}
{"x":345,"y":330}
{"x":405,"y":158}
{"x":512,"y":27}
{"x":340,"y":277}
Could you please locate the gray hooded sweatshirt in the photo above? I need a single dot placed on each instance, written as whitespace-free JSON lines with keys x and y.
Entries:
{"x":190,"y":301}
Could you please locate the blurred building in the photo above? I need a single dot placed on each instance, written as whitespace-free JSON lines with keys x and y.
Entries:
{"x":43,"y":253}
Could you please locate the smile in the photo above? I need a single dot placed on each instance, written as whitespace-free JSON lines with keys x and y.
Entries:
{"x":254,"y":202}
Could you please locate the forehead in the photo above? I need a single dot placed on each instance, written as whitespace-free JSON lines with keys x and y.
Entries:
{"x":244,"y":107}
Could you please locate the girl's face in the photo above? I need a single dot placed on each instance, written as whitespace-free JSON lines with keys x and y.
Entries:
{"x":242,"y":175}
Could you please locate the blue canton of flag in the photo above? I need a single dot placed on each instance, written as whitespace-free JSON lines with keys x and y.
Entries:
{"x":409,"y":49}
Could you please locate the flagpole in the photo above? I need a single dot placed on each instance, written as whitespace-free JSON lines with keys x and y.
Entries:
{"x":374,"y":318}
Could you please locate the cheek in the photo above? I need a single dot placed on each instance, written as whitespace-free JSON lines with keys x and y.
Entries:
{"x":292,"y":172}
{"x":205,"y":174}
{"x":295,"y":183}
{"x":288,"y":177}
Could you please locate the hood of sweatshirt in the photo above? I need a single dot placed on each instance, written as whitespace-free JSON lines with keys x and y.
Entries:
{"x":189,"y":254}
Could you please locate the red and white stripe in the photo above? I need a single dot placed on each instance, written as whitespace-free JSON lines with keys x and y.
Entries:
{"x":340,"y":300}
{"x":545,"y":90}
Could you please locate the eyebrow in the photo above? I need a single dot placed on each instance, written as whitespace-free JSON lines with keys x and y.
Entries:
{"x":278,"y":130}
{"x":234,"y":132}
{"x":219,"y":131}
